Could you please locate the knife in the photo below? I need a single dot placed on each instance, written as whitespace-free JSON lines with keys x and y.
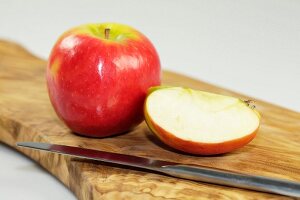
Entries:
{"x":191,"y":172}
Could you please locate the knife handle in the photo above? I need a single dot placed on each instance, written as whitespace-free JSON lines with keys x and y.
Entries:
{"x":221,"y":177}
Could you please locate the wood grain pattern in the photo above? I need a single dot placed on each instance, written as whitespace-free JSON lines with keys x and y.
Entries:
{"x":26,"y":115}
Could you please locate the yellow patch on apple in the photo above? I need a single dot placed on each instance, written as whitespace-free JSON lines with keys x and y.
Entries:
{"x":55,"y":67}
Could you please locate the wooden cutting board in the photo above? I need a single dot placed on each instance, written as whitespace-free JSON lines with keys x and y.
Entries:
{"x":26,"y":115}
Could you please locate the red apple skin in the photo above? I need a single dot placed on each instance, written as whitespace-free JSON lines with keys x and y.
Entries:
{"x":98,"y":86}
{"x":197,"y":148}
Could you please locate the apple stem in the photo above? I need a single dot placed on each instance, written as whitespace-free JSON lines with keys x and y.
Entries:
{"x":250,"y":103}
{"x":106,"y":33}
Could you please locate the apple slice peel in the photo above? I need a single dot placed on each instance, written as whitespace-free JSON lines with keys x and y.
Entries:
{"x":200,"y":122}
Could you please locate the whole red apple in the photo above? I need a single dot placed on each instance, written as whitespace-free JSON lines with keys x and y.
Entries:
{"x":98,"y":76}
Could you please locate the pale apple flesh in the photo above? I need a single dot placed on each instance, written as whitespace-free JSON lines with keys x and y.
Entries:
{"x":199,"y":122}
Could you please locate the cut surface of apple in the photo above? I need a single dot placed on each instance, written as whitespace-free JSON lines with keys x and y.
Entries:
{"x":200,"y":122}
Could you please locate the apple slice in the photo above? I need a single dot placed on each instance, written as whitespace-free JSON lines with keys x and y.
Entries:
{"x":200,"y":122}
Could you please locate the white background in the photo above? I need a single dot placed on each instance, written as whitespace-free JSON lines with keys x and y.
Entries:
{"x":252,"y":47}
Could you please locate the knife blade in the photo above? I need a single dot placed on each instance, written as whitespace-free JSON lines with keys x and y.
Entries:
{"x":191,"y":172}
